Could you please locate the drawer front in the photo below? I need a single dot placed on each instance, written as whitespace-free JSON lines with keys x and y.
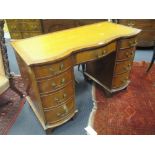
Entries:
{"x":120,"y":80}
{"x":57,"y":114}
{"x":58,"y":98}
{"x":50,"y":85}
{"x":94,"y":54}
{"x":125,"y":54}
{"x":52,"y":69}
{"x":123,"y":66}
{"x":128,"y":43}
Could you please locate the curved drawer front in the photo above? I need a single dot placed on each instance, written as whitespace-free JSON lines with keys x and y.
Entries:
{"x":120,"y":80}
{"x":58,"y":98}
{"x":94,"y":53}
{"x":52,"y":69}
{"x":123,"y":66}
{"x":125,"y":54}
{"x":127,"y":43}
{"x":52,"y":84}
{"x":57,"y":114}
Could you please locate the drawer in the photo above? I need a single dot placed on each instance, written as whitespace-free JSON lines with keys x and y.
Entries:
{"x":59,"y":113}
{"x":123,"y":66}
{"x":58,"y":98}
{"x":94,"y":54}
{"x":52,"y":69}
{"x":120,"y":80}
{"x":57,"y":82}
{"x":125,"y":54}
{"x":127,"y":43}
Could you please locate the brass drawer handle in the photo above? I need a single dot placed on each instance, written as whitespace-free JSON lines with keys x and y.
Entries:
{"x":63,"y":81}
{"x":102,"y":54}
{"x":60,"y":100}
{"x":133,"y":43}
{"x":51,"y":70}
{"x":53,"y":84}
{"x":127,"y":55}
{"x":61,"y":66}
{"x":65,"y":111}
{"x":64,"y":95}
{"x":131,"y":24}
{"x":124,"y":80}
{"x":56,"y":99}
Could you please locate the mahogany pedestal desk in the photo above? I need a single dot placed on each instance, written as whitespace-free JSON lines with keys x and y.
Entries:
{"x":46,"y":63}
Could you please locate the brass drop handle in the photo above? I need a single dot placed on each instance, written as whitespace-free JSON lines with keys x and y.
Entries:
{"x":53,"y":84}
{"x":65,"y":111}
{"x":99,"y":55}
{"x":131,"y":24}
{"x":64,"y":95}
{"x":51,"y":70}
{"x":124,"y":80}
{"x":61,"y":66}
{"x":56,"y":99}
{"x":129,"y":66}
{"x":133,"y":43}
{"x":127,"y":54}
{"x":104,"y":52}
{"x":63,"y":81}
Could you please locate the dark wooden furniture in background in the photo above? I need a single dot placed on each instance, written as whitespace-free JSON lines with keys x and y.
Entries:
{"x":147,"y":36}
{"x":5,"y":61}
{"x":24,"y":28}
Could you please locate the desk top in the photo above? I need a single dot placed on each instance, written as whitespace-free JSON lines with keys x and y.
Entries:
{"x":52,"y":46}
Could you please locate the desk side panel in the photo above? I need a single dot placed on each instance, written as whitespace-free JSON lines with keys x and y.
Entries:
{"x":30,"y":85}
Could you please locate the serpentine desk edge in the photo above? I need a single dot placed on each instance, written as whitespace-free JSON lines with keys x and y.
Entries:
{"x":53,"y":46}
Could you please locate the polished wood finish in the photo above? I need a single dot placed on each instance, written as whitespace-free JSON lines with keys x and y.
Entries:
{"x":147,"y":36}
{"x":52,"y":69}
{"x":57,"y":114}
{"x":113,"y":71}
{"x":97,"y":53}
{"x":57,"y":98}
{"x":48,"y":70}
{"x":53,"y":84}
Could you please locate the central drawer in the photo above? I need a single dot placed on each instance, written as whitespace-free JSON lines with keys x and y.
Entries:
{"x":57,"y":82}
{"x":59,"y":113}
{"x":58,"y":98}
{"x":94,"y":54}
